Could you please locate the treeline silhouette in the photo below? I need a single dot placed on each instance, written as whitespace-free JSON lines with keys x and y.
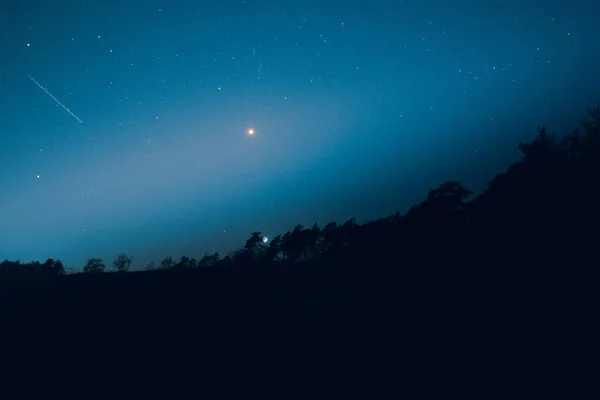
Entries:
{"x":532,"y":221}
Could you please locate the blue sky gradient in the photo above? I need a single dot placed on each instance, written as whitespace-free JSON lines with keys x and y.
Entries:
{"x":358,"y":108}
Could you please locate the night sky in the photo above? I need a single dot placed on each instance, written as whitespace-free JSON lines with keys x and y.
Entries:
{"x":357,"y":107}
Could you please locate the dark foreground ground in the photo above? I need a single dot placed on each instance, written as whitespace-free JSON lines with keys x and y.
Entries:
{"x":176,"y":318}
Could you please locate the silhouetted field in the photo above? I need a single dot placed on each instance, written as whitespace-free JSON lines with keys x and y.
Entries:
{"x":526,"y":235}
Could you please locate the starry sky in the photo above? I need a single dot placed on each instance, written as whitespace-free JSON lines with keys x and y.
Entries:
{"x":124,"y":124}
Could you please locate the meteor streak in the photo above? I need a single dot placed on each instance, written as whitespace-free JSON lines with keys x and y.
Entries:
{"x":55,"y":99}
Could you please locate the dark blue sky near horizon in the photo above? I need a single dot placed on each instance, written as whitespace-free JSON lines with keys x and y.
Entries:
{"x":358,"y":108}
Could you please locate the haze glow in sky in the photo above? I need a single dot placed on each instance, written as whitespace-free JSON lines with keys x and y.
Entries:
{"x":125,"y":126}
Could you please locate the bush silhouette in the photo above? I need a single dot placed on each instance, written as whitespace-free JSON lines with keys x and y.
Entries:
{"x":94,"y":265}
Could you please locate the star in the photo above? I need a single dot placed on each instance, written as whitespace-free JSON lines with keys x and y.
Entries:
{"x":250,"y":131}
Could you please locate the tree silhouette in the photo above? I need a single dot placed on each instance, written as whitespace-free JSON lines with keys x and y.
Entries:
{"x":312,"y":241}
{"x":333,"y":239}
{"x":273,"y":250}
{"x":542,"y":150}
{"x":254,"y":250}
{"x":167,"y":263}
{"x":94,"y":265}
{"x":151,"y":266}
{"x":32,"y":269}
{"x":209,"y":260}
{"x":185,"y":262}
{"x":591,"y":125}
{"x":122,"y":263}
{"x":55,"y":267}
{"x":292,"y":243}
{"x":350,"y":231}
{"x":449,"y":196}
{"x":253,"y":242}
{"x":226,"y":261}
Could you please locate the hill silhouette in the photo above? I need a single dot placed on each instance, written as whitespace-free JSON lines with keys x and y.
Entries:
{"x":533,"y":226}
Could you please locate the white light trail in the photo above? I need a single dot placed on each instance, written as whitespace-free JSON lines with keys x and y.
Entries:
{"x":55,"y":99}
